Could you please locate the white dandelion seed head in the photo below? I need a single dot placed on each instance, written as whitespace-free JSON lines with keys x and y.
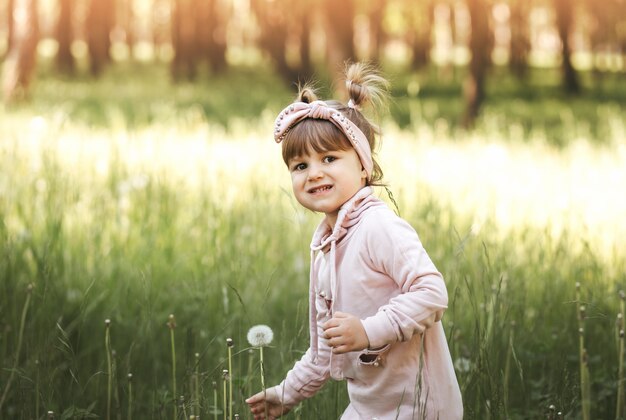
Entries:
{"x":462,"y":365}
{"x":260,"y":336}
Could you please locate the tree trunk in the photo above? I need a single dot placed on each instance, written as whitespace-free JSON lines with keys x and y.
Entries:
{"x":520,"y":43}
{"x":306,"y":65}
{"x":184,"y":63}
{"x":129,"y":27}
{"x":339,"y":33}
{"x":480,"y":41}
{"x":216,"y":37}
{"x":281,"y":22}
{"x":273,"y":21}
{"x":161,"y":30}
{"x":419,"y":33}
{"x":22,"y":54}
{"x":564,"y":20}
{"x":377,"y":32}
{"x":64,"y":34}
{"x":99,"y":22}
{"x":603,"y":31}
{"x":10,"y":29}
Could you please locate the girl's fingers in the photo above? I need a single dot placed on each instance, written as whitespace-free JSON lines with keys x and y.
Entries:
{"x":340,"y":349}
{"x":329,"y":324}
{"x":332,"y":332}
{"x":258,"y":397}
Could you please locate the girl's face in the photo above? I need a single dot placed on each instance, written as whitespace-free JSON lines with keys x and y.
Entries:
{"x":323,"y":181}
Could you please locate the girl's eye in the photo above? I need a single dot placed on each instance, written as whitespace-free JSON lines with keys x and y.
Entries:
{"x":329,"y":159}
{"x":299,"y":167}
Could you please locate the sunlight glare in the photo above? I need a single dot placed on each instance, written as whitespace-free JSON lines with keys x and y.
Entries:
{"x":512,"y":185}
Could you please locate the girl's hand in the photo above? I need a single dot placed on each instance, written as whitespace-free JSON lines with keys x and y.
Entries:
{"x":345,"y":333}
{"x":270,"y":397}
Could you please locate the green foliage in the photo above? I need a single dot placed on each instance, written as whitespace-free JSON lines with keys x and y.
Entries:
{"x":535,"y":108}
{"x":136,"y":95}
{"x":132,"y":96}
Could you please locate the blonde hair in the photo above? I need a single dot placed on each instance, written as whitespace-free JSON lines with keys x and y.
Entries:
{"x":365,"y":87}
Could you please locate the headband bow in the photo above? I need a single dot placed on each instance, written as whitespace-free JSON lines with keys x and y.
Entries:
{"x":299,"y":111}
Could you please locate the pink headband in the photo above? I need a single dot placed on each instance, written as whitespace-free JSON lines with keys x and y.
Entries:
{"x":299,"y":111}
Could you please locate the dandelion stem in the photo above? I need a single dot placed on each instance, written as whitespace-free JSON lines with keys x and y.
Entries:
{"x":37,"y":390}
{"x":130,"y":397}
{"x":172,"y":324}
{"x":107,"y":347}
{"x":507,"y":367}
{"x":116,"y":392}
{"x":197,"y":385}
{"x":29,"y":291}
{"x":214,"y":401}
{"x":225,"y":379}
{"x":619,"y":412}
{"x":585,"y":385}
{"x":230,"y":378}
{"x":263,"y":382}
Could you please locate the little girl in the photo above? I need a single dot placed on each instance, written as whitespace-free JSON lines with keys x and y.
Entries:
{"x":376,"y":298}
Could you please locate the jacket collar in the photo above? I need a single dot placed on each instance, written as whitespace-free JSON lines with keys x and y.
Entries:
{"x":349,"y":215}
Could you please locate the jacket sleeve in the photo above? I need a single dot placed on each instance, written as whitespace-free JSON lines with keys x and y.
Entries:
{"x":307,"y":375}
{"x":395,"y":249}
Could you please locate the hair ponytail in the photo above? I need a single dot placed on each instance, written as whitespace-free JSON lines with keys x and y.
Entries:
{"x":366,"y":86}
{"x":306,"y":93}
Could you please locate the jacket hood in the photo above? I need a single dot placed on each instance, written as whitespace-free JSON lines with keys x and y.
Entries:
{"x":349,"y":215}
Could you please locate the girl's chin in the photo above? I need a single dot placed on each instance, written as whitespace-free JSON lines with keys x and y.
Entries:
{"x":322,"y":209}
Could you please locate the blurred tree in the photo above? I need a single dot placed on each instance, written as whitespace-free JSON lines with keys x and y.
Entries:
{"x":607,"y":32}
{"x":454,"y":16}
{"x":65,"y":35}
{"x":376,"y":15}
{"x":9,"y":24}
{"x":281,"y":22}
{"x":339,"y":33}
{"x":185,"y":60}
{"x":21,"y":57}
{"x":273,"y":22}
{"x":420,"y":17}
{"x":204,"y":28}
{"x":564,"y":21}
{"x":161,"y":30}
{"x":480,"y":45}
{"x":520,"y":42}
{"x":212,"y":19}
{"x":305,"y":26}
{"x":127,"y":20}
{"x":98,"y":25}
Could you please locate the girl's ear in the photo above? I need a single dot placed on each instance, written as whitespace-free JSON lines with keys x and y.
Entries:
{"x":363,"y":173}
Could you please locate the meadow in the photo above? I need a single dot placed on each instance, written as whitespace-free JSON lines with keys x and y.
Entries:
{"x":126,"y":200}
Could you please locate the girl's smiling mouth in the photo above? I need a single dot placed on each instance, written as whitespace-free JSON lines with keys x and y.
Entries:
{"x":320,"y":189}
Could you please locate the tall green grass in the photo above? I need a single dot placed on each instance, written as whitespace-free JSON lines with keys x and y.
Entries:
{"x":202,"y":225}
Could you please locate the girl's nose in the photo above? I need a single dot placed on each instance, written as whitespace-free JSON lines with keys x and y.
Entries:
{"x":315,"y":172}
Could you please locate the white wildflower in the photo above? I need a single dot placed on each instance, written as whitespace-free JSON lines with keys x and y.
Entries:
{"x":462,"y":365}
{"x":260,"y":335}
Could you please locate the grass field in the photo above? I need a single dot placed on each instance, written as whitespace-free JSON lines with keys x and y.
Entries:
{"x":124,"y":202}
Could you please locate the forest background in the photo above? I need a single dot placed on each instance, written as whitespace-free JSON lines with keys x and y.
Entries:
{"x":146,"y":217}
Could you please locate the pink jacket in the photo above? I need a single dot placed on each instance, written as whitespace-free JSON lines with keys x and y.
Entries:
{"x":380,"y":272}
